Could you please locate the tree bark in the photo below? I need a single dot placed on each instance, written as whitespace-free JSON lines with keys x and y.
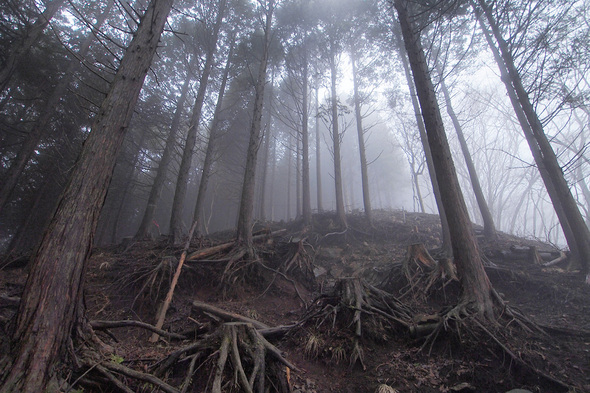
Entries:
{"x":245,"y":220}
{"x":191,"y":138}
{"x":576,"y":232}
{"x":50,"y":300}
{"x":340,"y":212}
{"x":476,"y":287}
{"x":361,"y":138}
{"x":23,"y":156}
{"x":146,"y":225}
{"x":489,"y":228}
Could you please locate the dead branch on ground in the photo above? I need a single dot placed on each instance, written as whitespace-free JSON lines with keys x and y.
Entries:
{"x":104,"y":325}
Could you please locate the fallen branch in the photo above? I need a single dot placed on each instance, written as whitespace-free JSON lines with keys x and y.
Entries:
{"x":168,"y":300}
{"x":103,"y":325}
{"x":561,"y":258}
{"x":207,"y":252}
{"x":226,"y":315}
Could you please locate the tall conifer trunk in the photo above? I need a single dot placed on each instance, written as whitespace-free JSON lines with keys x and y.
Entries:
{"x":191,"y":138}
{"x":446,"y":247}
{"x":361,"y":139}
{"x":245,"y":219}
{"x":147,"y":224}
{"x":340,"y":212}
{"x":306,"y":192}
{"x":575,"y":230}
{"x":489,"y":227}
{"x":476,"y":287}
{"x":318,"y":158}
{"x":212,"y":143}
{"x":50,"y":303}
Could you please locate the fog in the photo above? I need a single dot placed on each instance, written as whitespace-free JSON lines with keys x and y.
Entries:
{"x":307,"y":40}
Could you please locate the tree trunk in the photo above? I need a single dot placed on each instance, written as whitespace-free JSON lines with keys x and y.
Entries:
{"x":245,"y":220}
{"x":298,"y":176}
{"x":52,"y":294}
{"x":23,"y":156}
{"x":573,"y":225}
{"x":318,"y":159}
{"x":306,"y":192}
{"x":271,"y":199}
{"x":212,"y":143}
{"x":264,"y":175}
{"x":146,"y":225}
{"x":191,"y":137}
{"x":340,"y":212}
{"x":475,"y":283}
{"x":446,"y":247}
{"x":19,"y":49}
{"x":521,"y":201}
{"x":29,"y":233}
{"x":361,"y":137}
{"x":128,"y":175}
{"x":489,"y":228}
{"x":416,"y":182}
{"x":289,"y":177}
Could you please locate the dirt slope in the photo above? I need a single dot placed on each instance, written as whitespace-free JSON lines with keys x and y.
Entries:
{"x":128,"y":282}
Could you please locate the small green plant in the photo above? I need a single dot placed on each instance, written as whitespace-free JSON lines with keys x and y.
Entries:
{"x":116,"y":359}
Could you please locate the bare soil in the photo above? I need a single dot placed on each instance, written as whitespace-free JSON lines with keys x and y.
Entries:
{"x":128,"y":282}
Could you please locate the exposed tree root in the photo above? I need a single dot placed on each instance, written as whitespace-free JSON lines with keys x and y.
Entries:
{"x":419,"y":275}
{"x":420,"y":281}
{"x":237,"y":357}
{"x":336,"y":324}
{"x":463,"y":320}
{"x":128,"y":372}
{"x":544,"y":378}
{"x":296,"y":261}
{"x":152,"y":277}
{"x":226,"y":316}
{"x":248,"y":266}
{"x":149,"y":279}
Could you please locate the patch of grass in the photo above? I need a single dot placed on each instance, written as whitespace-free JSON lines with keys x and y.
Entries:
{"x":313,"y":346}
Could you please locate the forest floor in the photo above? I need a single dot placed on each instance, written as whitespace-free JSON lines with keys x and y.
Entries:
{"x":127,"y":282}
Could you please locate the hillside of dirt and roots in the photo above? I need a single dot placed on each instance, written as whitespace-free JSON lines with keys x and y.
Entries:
{"x":369,"y":309}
